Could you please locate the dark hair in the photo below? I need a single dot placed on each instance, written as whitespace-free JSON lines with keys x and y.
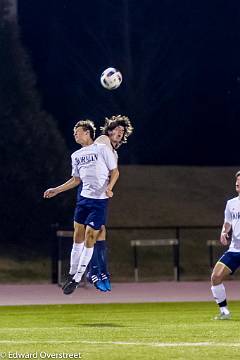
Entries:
{"x":237,"y":174}
{"x":115,"y":121}
{"x":86,"y":125}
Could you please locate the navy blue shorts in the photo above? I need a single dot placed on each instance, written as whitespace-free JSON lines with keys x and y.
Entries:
{"x":231,"y":260}
{"x":92,"y":212}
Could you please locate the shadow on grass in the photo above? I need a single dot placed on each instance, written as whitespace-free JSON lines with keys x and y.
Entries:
{"x":102,"y":325}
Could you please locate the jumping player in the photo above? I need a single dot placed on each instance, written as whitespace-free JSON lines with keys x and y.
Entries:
{"x":115,"y":132}
{"x":230,"y":260}
{"x":96,"y":167}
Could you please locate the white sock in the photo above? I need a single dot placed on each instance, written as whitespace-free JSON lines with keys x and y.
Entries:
{"x":75,"y":256}
{"x":83,"y":263}
{"x":219,"y":295}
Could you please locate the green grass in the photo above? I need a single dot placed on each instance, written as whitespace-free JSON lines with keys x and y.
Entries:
{"x":120,"y":331}
{"x":25,"y":271}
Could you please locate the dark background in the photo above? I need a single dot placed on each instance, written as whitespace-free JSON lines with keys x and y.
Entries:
{"x":180,"y":62}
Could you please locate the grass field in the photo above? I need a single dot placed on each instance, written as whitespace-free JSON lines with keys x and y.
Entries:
{"x":119,"y":331}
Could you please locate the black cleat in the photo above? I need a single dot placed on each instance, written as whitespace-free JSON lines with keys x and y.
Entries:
{"x":70,"y":287}
{"x":68,"y":279}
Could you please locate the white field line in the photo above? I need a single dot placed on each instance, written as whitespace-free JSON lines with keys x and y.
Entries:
{"x":150,"y":344}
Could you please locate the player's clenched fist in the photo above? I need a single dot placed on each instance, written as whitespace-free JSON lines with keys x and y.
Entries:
{"x":50,"y":193}
{"x":224,"y":238}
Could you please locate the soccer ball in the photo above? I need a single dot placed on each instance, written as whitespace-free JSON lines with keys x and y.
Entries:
{"x":111,"y":78}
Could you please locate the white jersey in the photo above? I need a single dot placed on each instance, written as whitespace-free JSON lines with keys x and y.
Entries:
{"x":93,"y":164}
{"x":232,"y":216}
{"x":104,"y":139}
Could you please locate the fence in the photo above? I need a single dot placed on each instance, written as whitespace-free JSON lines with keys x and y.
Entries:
{"x":190,"y":258}
{"x":174,"y":243}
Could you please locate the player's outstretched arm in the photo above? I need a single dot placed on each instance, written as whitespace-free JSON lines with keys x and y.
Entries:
{"x":114,"y":175}
{"x":70,"y":184}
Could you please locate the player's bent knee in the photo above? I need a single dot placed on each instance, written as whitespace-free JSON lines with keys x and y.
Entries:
{"x":220,"y":272}
{"x":216,"y":278}
{"x":91,"y":235}
{"x":219,"y":275}
{"x":78,"y":239}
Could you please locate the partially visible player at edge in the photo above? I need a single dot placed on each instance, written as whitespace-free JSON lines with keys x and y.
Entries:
{"x":96,"y":167}
{"x":230,"y":260}
{"x":115,"y":132}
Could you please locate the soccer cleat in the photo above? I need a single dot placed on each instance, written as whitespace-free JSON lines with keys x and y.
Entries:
{"x":68,"y":279}
{"x":223,"y":316}
{"x":70,"y":287}
{"x":107,"y":284}
{"x":98,"y":283}
{"x":106,"y":280}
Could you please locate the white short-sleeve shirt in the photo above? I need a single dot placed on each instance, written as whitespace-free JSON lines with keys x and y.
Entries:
{"x":232,"y":216}
{"x":104,"y":139}
{"x":92,"y":164}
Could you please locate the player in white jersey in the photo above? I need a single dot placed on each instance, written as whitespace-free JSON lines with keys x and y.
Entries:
{"x":114,"y":132}
{"x":96,"y":167}
{"x":230,"y":261}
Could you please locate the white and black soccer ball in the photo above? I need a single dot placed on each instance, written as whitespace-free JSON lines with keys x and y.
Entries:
{"x":111,"y":78}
